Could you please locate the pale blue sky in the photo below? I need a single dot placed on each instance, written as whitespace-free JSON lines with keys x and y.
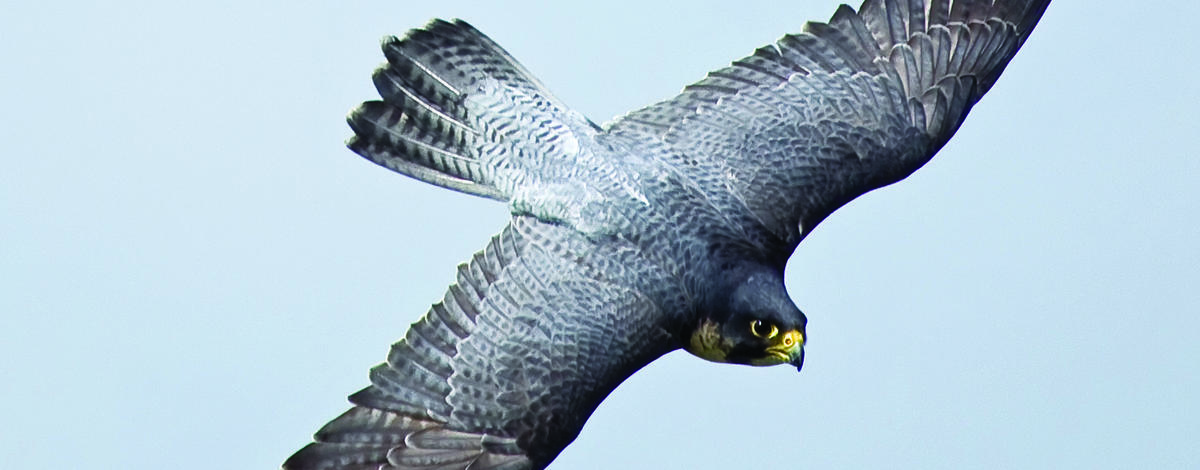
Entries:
{"x":194,"y":272}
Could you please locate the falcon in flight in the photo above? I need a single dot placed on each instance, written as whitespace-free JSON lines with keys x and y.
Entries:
{"x":667,"y":228}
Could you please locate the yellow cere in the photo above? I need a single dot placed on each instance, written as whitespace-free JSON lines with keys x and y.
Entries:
{"x":782,"y":349}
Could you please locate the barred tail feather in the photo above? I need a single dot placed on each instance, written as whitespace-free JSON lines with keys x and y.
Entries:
{"x":399,"y":140}
{"x":454,"y":113}
{"x":420,"y":128}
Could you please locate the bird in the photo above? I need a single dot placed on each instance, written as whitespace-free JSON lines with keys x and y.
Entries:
{"x":666,"y":228}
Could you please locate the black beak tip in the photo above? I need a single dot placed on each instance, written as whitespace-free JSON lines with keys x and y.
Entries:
{"x":799,"y":361}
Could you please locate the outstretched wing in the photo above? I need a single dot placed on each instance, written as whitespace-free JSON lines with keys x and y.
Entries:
{"x":811,"y":122}
{"x":539,"y":328}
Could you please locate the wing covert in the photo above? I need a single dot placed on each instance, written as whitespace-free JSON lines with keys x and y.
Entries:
{"x":804,"y":125}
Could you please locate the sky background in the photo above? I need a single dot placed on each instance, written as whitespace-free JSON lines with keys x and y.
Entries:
{"x":194,"y":272}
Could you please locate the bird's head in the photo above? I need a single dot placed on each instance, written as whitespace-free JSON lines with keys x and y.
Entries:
{"x":753,"y":322}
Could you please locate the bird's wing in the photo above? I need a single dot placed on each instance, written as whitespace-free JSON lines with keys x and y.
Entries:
{"x":539,"y":328}
{"x":811,"y":122}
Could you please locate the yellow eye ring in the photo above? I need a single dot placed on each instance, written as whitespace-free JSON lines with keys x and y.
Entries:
{"x":763,"y":329}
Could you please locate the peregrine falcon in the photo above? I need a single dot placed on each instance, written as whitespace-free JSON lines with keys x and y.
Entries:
{"x":666,"y":228}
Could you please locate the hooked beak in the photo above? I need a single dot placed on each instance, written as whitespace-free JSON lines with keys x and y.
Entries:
{"x":798,"y":361}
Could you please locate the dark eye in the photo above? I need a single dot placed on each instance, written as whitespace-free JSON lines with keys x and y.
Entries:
{"x":763,"y":329}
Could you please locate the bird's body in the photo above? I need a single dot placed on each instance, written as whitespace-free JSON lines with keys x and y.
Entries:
{"x":668,"y":228}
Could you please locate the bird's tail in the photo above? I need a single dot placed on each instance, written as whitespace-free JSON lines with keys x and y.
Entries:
{"x":459,"y":112}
